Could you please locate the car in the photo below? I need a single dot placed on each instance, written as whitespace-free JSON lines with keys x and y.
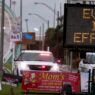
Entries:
{"x":30,"y":60}
{"x":88,"y":63}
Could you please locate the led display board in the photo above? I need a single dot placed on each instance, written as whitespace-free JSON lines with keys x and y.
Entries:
{"x":27,"y":38}
{"x":79,"y":25}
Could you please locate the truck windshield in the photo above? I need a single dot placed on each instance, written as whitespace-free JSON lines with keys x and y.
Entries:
{"x":90,"y":57}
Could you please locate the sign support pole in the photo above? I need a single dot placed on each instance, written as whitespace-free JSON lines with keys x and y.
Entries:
{"x":2,"y":41}
{"x":71,"y":60}
{"x":13,"y":56}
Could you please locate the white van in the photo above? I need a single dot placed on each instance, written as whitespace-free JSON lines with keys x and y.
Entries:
{"x":88,"y":63}
{"x":30,"y":60}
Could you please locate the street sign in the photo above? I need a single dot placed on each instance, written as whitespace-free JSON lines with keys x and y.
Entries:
{"x":28,"y":38}
{"x":15,"y":36}
{"x":79,"y":26}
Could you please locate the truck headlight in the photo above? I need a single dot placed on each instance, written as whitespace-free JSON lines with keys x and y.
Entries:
{"x":23,"y":66}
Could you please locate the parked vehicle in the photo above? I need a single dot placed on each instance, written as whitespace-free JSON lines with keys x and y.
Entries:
{"x":35,"y":60}
{"x":88,"y":63}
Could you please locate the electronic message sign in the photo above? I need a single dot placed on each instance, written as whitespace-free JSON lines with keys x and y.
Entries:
{"x":79,"y":25}
{"x":27,"y":38}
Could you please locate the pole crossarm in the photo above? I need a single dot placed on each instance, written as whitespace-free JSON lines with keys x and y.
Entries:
{"x":42,"y":18}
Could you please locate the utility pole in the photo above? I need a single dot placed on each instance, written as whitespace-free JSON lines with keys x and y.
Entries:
{"x":57,"y":36}
{"x":2,"y":38}
{"x":60,"y":10}
{"x":40,"y":38}
{"x":13,"y":6}
{"x":10,"y":3}
{"x":54,"y":15}
{"x":68,"y":1}
{"x":43,"y":37}
{"x":48,"y":24}
{"x":21,"y":14}
{"x":26,"y":20}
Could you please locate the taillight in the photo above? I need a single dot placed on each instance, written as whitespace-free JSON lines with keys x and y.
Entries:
{"x":58,"y":61}
{"x":45,"y":54}
{"x":43,"y":67}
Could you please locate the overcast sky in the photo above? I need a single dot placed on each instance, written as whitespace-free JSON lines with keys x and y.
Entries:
{"x":29,"y":7}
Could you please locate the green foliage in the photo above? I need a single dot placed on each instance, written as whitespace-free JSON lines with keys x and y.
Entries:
{"x":49,"y":41}
{"x":8,"y":66}
{"x":8,"y":90}
{"x":54,"y":39}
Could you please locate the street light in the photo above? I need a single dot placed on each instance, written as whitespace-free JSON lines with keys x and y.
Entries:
{"x":53,"y":10}
{"x":13,"y":3}
{"x":47,"y":21}
{"x":42,"y":18}
{"x":10,"y":3}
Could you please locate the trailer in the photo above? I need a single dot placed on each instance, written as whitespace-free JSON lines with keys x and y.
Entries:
{"x":50,"y":81}
{"x":63,"y":83}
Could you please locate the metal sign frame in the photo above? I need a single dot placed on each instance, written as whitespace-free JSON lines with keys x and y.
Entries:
{"x":67,"y":39}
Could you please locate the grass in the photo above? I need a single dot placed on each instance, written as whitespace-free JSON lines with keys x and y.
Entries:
{"x":8,"y":90}
{"x":8,"y":65}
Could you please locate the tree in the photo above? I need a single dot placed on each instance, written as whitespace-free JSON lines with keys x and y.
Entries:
{"x":54,"y":39}
{"x":49,"y":41}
